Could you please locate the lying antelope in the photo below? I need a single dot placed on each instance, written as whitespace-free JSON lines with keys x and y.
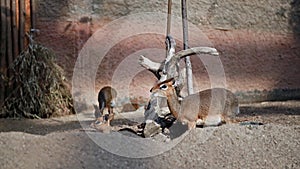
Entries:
{"x":209,"y":107}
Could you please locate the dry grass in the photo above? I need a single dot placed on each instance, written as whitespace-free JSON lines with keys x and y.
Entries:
{"x":37,"y":87}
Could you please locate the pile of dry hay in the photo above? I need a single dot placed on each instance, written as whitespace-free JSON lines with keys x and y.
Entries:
{"x":38,"y":88}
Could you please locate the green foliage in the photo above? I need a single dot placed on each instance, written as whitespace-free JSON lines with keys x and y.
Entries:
{"x":38,"y":88}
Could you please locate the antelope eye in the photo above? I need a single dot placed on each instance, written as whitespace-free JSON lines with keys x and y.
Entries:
{"x":163,"y":87}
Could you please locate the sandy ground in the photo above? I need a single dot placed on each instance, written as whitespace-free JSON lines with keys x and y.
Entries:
{"x":61,"y":143}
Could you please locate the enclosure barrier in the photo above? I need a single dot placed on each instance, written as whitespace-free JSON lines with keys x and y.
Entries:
{"x":17,"y":18}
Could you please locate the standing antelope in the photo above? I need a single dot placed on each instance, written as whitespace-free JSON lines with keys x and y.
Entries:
{"x":209,"y":107}
{"x":106,"y":98}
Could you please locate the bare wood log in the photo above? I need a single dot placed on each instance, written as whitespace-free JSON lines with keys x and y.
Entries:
{"x":156,"y":112}
{"x":155,"y":66}
{"x":169,"y":68}
{"x":171,"y":45}
{"x":149,"y":64}
{"x":196,"y":50}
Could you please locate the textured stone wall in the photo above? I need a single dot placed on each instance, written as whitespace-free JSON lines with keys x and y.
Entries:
{"x":258,"y":40}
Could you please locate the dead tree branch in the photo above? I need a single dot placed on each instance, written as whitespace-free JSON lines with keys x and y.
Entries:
{"x":149,"y":64}
{"x":155,"y":66}
{"x":169,"y":68}
{"x":196,"y":50}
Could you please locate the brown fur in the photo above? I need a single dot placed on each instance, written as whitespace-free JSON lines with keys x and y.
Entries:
{"x":105,"y":98}
{"x":208,"y":107}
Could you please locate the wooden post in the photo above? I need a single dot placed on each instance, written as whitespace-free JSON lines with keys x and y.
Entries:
{"x":17,"y":14}
{"x":189,"y":71}
{"x":169,"y":18}
{"x":2,"y":50}
{"x":3,"y":33}
{"x":15,"y":26}
{"x":27,"y":20}
{"x":9,"y":43}
{"x":33,"y":13}
{"x":15,"y":22}
{"x":22,"y":24}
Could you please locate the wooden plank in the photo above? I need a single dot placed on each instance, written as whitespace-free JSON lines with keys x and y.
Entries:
{"x":17,"y":16}
{"x":1,"y":43}
{"x":3,"y":34}
{"x":2,"y":51}
{"x":3,"y":30}
{"x":27,"y":20}
{"x":9,"y":43}
{"x":22,"y":25}
{"x":3,"y":46}
{"x":15,"y":33}
{"x":33,"y":14}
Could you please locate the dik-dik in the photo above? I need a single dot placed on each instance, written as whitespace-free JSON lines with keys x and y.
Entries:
{"x":209,"y":107}
{"x":106,"y":99}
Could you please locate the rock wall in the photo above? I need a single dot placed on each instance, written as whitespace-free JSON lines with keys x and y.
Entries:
{"x":258,"y":41}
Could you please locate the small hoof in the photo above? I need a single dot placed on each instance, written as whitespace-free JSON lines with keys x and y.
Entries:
{"x":97,"y":122}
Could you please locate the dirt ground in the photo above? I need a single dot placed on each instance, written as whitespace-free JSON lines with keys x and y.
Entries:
{"x":61,"y":143}
{"x":259,"y":47}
